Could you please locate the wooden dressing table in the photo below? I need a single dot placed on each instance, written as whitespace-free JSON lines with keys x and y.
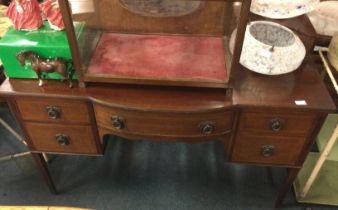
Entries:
{"x":257,"y":119}
{"x":262,"y":120}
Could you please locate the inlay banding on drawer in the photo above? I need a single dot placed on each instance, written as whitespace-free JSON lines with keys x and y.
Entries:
{"x":164,"y":124}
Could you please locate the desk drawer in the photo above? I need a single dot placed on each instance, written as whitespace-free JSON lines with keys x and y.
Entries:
{"x":61,"y":138}
{"x":164,"y":124}
{"x":267,"y":150}
{"x":276,"y":124}
{"x":53,"y":110}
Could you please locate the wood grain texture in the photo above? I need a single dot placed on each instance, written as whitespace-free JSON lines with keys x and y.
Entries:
{"x":322,"y":40}
{"x":42,"y":136}
{"x":311,"y":138}
{"x":247,"y":149}
{"x":258,"y":122}
{"x":183,"y":139}
{"x":73,"y":45}
{"x":241,"y":112}
{"x":249,"y":89}
{"x":165,"y":124}
{"x":255,"y":90}
{"x":207,"y":20}
{"x":71,"y":111}
{"x":213,"y":18}
{"x":126,"y":96}
{"x":250,"y":92}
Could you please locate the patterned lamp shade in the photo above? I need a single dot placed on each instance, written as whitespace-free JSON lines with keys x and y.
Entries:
{"x":270,"y":48}
{"x":282,"y":9}
{"x":333,"y":51}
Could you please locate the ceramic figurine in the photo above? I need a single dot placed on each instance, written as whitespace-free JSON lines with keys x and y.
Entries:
{"x":40,"y":65}
{"x":52,"y":12}
{"x":270,"y":48}
{"x":281,"y":9}
{"x":25,"y":14}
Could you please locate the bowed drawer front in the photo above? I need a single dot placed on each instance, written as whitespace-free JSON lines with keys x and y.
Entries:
{"x":152,"y":123}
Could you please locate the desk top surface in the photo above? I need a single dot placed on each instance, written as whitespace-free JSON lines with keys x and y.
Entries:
{"x":248,"y":89}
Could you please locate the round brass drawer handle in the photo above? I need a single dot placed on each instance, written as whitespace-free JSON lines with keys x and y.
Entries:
{"x":276,"y":124}
{"x":53,"y":112}
{"x":62,"y":139}
{"x":118,"y":122}
{"x":207,"y":128}
{"x":267,"y":150}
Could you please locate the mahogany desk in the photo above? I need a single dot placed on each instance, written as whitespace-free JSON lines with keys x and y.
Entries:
{"x":257,"y":119}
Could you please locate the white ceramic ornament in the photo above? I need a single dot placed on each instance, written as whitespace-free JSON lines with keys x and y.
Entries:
{"x":282,"y":9}
{"x":270,"y":48}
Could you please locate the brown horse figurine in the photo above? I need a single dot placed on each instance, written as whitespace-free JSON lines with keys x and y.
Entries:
{"x":40,"y":65}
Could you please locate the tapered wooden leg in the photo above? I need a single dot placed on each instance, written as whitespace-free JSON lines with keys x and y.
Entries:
{"x":40,"y":161}
{"x":289,"y":179}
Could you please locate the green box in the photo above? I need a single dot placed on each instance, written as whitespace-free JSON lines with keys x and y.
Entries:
{"x":45,"y":41}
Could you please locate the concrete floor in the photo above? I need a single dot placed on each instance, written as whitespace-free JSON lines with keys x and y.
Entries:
{"x":142,"y":175}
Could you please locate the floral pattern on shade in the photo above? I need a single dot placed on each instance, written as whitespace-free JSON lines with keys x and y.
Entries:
{"x":270,"y":48}
{"x":282,"y":9}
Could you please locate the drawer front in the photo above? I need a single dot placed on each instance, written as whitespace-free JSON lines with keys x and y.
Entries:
{"x":61,"y":138}
{"x":267,"y":150}
{"x":277,"y":124}
{"x":53,"y":110}
{"x":164,"y":124}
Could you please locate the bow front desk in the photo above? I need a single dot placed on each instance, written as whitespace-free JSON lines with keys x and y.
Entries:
{"x":261,"y":120}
